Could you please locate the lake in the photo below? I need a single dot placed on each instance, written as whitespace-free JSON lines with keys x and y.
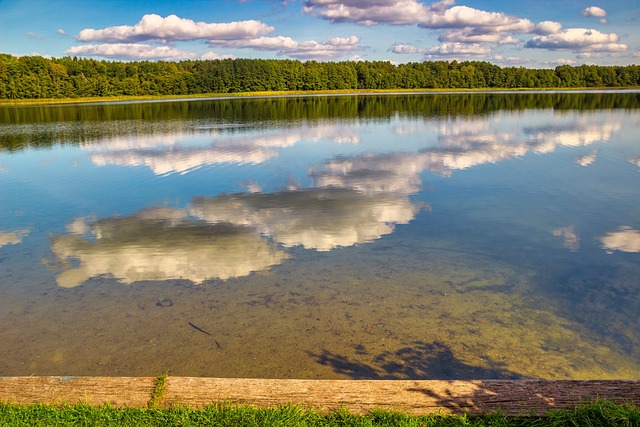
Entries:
{"x":400,"y":236}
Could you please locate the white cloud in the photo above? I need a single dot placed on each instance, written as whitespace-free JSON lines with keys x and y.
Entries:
{"x":121,"y":42}
{"x":579,"y":39}
{"x":461,"y":24}
{"x":172,"y":28}
{"x":482,"y":21}
{"x":469,"y":35}
{"x":548,"y":27}
{"x":411,"y":12}
{"x":511,"y":60}
{"x":394,"y":12}
{"x":561,"y":61}
{"x":331,"y":49}
{"x":61,"y":32}
{"x":463,"y":50}
{"x":588,"y":55}
{"x":510,"y":40}
{"x":259,"y":43}
{"x":132,"y":51}
{"x":33,"y":35}
{"x":594,"y":11}
{"x":213,"y":55}
{"x":402,"y":48}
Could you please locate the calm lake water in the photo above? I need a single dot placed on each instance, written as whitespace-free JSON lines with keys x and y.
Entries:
{"x":433,"y":236}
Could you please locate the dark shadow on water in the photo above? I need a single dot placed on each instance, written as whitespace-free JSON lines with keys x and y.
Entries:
{"x":460,"y":388}
{"x":422,"y":361}
{"x":601,"y":296}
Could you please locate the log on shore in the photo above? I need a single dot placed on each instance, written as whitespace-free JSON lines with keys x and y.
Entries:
{"x":514,"y":397}
{"x":116,"y":391}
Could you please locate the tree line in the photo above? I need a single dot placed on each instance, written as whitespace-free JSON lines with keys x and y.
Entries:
{"x":33,"y":77}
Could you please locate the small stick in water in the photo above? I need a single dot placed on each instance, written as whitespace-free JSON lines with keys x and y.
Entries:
{"x":200,"y":329}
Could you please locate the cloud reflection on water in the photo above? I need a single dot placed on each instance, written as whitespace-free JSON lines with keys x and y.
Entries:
{"x":587,"y":159}
{"x":161,"y":244}
{"x":462,"y":144}
{"x":13,"y":237}
{"x":467,"y":143}
{"x":224,"y":236}
{"x":174,"y":153}
{"x":570,"y":237}
{"x":321,"y":219}
{"x":625,"y":239}
{"x":355,"y":199}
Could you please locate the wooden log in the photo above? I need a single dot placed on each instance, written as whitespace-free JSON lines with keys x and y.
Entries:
{"x":115,"y":391}
{"x":416,"y":397}
{"x":514,"y":397}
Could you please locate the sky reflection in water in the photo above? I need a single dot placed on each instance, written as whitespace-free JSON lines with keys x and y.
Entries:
{"x":549,"y":197}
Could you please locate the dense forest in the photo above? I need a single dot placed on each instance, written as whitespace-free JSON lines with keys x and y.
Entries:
{"x":32,"y":77}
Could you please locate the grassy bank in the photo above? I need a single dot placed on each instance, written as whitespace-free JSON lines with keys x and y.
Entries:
{"x":96,"y":99}
{"x":594,"y":414}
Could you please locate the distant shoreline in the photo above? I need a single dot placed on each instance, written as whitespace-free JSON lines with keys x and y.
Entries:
{"x":284,"y":94}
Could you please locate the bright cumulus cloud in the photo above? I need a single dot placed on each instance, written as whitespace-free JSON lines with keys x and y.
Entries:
{"x":594,"y":11}
{"x":440,"y":29}
{"x":466,"y":32}
{"x":333,"y":48}
{"x":441,"y":14}
{"x":464,"y":49}
{"x":579,"y":39}
{"x":173,"y":28}
{"x":396,"y":12}
{"x":123,"y":42}
{"x":406,"y":48}
{"x":471,"y":37}
{"x":132,"y":51}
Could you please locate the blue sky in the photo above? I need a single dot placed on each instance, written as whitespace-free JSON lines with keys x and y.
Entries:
{"x":535,"y":34}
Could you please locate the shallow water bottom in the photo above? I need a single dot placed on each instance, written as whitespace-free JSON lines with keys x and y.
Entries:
{"x":355,"y":314}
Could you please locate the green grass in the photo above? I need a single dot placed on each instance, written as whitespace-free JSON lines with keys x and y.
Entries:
{"x":601,"y":413}
{"x":94,"y":99}
{"x":157,"y":393}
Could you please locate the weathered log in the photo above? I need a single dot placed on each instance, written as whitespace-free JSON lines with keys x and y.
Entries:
{"x":116,"y":391}
{"x":417,"y":397}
